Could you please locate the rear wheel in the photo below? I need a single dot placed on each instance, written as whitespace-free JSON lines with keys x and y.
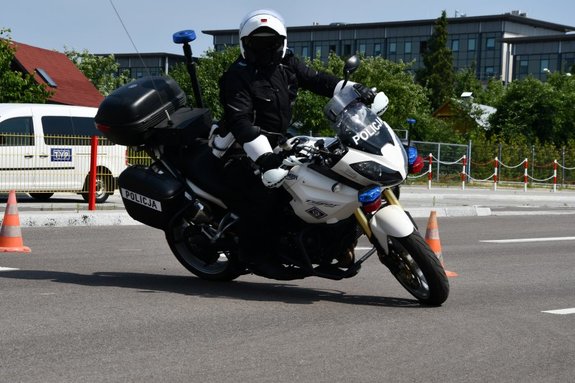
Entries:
{"x":197,"y":254}
{"x":103,"y":185}
{"x":417,"y":268}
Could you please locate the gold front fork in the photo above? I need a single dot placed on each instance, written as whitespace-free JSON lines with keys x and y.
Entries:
{"x":390,"y":197}
{"x":362,"y":221}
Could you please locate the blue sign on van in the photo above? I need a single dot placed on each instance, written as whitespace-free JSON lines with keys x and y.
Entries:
{"x":61,"y":154}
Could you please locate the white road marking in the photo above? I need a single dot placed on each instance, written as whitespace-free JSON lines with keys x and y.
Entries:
{"x":7,"y":268}
{"x":560,"y":312}
{"x":522,"y":240}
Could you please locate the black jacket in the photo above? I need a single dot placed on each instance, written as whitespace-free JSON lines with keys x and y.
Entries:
{"x":264,"y":97}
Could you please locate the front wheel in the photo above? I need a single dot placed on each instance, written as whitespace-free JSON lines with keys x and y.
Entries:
{"x":197,"y":254}
{"x":417,"y":268}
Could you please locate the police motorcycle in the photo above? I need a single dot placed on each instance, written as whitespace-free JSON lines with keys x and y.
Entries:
{"x":336,"y":188}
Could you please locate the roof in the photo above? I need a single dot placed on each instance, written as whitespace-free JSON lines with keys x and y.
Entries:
{"x":479,"y":112}
{"x":455,"y":20}
{"x":540,"y":39}
{"x":144,"y":54}
{"x":71,"y":86}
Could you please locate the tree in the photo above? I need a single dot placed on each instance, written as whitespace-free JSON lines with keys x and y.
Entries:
{"x":16,"y":86}
{"x":466,"y":81}
{"x":539,"y":111}
{"x":407,"y":99}
{"x":437,"y":74}
{"x":209,"y":70}
{"x":102,"y":71}
{"x":493,"y":93}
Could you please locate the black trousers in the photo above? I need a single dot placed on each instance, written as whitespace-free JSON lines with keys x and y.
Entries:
{"x":258,"y":208}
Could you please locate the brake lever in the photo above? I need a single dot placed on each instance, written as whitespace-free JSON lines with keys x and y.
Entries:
{"x":292,"y":161}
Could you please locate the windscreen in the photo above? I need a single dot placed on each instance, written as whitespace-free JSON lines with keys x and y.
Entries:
{"x":360,"y":128}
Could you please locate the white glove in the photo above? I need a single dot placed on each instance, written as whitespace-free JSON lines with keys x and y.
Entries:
{"x":274,"y":178}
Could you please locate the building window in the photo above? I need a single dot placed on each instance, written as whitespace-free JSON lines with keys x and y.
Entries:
{"x":569,"y":65}
{"x":523,"y":67}
{"x":407,"y":47}
{"x":489,"y":71}
{"x":305,"y":52}
{"x":543,"y":65}
{"x":333,"y":48}
{"x":377,"y":49}
{"x":455,"y":45}
{"x":347,"y":50}
{"x":471,"y":45}
{"x":392,"y":47}
{"x":318,"y":51}
{"x":362,"y":49}
{"x":490,"y":43}
{"x":422,"y":46}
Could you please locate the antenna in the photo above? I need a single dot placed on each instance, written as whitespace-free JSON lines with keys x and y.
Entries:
{"x":129,"y":36}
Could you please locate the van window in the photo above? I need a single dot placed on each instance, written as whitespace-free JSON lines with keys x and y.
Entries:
{"x":17,"y":132}
{"x":59,"y":129}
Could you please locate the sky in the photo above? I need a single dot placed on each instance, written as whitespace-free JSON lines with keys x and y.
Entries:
{"x":146,"y":26}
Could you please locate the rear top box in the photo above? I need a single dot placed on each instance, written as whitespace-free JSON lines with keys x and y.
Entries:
{"x":128,"y":114}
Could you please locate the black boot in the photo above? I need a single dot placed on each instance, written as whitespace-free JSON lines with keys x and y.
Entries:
{"x":275,"y":270}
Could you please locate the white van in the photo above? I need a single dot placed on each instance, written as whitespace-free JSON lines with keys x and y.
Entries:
{"x":45,"y":148}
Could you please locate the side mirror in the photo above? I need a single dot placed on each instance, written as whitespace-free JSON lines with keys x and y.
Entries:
{"x":350,"y":66}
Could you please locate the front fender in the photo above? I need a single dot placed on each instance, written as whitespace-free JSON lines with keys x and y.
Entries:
{"x":393,"y":221}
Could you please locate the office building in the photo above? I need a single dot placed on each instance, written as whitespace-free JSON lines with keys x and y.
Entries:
{"x":507,"y":46}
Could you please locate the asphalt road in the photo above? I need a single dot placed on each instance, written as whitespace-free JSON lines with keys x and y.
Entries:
{"x":111,"y":304}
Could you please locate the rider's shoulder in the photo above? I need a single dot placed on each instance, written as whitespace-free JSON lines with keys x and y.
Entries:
{"x":239,"y":65}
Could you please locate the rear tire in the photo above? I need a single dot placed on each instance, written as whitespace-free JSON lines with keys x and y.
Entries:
{"x":103,"y":184}
{"x":195,"y":252}
{"x":417,"y":268}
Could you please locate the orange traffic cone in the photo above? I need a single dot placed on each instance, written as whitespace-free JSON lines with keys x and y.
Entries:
{"x":10,"y":234}
{"x":432,"y":239}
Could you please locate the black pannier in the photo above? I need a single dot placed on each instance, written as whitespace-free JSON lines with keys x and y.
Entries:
{"x":142,"y":109}
{"x":151,"y":196}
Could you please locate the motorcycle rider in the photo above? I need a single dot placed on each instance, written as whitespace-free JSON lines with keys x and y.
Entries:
{"x":257,"y":93}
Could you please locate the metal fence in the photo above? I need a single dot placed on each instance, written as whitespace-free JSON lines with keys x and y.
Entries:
{"x":43,"y":165}
{"x":523,"y":167}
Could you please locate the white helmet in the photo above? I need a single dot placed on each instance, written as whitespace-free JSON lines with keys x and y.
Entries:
{"x":263,"y":37}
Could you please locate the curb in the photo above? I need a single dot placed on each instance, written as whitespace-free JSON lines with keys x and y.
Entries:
{"x":118,"y":218}
{"x":80,"y":218}
{"x":465,"y":211}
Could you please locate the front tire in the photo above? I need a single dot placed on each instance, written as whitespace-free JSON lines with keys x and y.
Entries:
{"x":417,"y":268}
{"x":194,"y":251}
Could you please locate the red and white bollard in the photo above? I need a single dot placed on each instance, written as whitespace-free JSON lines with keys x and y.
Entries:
{"x":554,"y":176}
{"x":430,"y":171}
{"x":495,"y":174}
{"x":525,"y":176}
{"x":463,"y":172}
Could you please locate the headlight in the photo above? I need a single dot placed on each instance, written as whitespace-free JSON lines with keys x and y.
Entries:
{"x":377,"y":172}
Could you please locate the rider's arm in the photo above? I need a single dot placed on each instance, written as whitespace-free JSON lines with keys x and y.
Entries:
{"x":308,"y":78}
